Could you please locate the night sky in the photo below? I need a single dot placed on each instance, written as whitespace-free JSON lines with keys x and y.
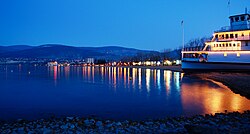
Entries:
{"x":142,"y":24}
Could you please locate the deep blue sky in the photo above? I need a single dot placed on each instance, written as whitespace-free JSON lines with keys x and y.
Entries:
{"x":143,"y":24}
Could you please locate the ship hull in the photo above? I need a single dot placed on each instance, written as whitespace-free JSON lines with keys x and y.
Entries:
{"x":192,"y":66}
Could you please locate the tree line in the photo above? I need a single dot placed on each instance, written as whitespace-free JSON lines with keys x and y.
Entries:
{"x":167,"y":54}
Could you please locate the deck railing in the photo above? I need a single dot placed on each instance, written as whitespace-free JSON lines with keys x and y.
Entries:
{"x":197,"y":48}
{"x":234,"y":28}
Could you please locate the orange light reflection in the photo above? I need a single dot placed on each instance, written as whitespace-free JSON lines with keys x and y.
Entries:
{"x":148,"y":80}
{"x":139,"y":77}
{"x":213,"y":99}
{"x":167,"y":79}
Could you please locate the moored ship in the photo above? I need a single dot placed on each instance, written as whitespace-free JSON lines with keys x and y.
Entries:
{"x":228,"y":50}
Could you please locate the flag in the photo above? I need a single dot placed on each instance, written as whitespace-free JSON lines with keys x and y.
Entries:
{"x":228,"y":5}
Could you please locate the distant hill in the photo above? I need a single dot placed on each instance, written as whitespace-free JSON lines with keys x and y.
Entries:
{"x":4,"y":49}
{"x":117,"y":52}
{"x":67,"y":52}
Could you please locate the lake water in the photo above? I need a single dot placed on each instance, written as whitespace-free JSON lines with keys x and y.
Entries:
{"x":33,"y":92}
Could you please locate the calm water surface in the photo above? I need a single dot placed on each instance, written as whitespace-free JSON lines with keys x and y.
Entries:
{"x":109,"y":92}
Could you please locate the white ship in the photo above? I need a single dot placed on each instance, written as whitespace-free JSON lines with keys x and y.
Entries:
{"x":229,"y":49}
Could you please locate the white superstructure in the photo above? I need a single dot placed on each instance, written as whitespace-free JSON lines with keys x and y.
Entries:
{"x":228,"y":50}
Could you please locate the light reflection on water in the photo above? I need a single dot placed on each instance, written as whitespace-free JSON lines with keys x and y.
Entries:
{"x":110,"y":92}
{"x":212,"y":100}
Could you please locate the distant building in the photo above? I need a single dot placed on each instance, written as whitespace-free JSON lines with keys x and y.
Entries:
{"x":89,"y":60}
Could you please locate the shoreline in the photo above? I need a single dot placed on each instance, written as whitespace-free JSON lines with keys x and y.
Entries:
{"x":228,"y":122}
{"x":236,"y":82}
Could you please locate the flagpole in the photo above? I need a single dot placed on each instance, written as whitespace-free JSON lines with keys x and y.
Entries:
{"x":183,"y":42}
{"x":183,"y":35}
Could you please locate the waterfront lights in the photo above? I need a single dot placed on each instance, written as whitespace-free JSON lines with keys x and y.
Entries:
{"x":167,"y":62}
{"x":113,"y":63}
{"x":139,"y":63}
{"x":158,"y":63}
{"x":52,"y":63}
{"x":136,"y":63}
{"x":147,"y":63}
{"x":178,"y":62}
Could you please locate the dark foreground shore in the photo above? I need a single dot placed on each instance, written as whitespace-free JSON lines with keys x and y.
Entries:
{"x":218,"y":123}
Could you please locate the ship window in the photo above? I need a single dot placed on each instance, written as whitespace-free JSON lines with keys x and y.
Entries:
{"x":223,"y":45}
{"x":238,"y":44}
{"x":238,"y":54}
{"x":226,"y":45}
{"x":236,"y":18}
{"x":242,"y":34}
{"x":232,"y":19}
{"x":225,"y":54}
{"x":234,"y":45}
{"x":216,"y":45}
{"x":236,"y":35}
{"x":227,"y":36}
{"x":230,"y":44}
{"x":222,"y":36}
{"x":246,"y":43}
{"x":216,"y":36}
{"x":231,"y":35}
{"x":242,"y":18}
{"x":220,"y":45}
